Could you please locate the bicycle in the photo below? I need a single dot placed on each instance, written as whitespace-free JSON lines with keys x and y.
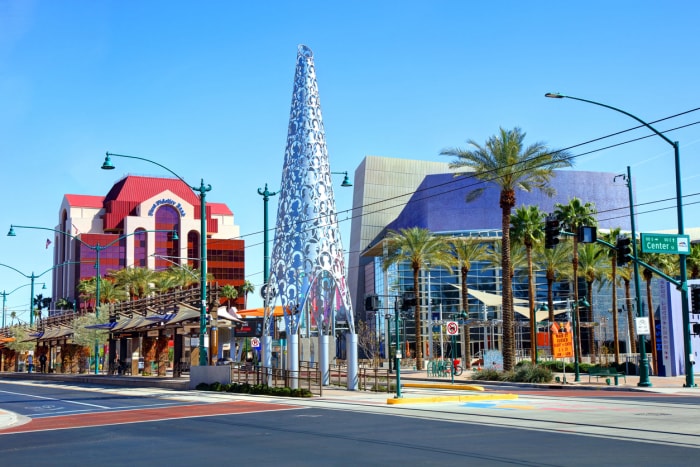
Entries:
{"x":457,"y":369}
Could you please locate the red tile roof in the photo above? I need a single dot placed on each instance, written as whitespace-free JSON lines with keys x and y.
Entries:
{"x":85,"y":201}
{"x":219,"y":209}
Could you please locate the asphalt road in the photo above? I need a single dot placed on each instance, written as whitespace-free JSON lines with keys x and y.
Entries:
{"x":74,"y":425}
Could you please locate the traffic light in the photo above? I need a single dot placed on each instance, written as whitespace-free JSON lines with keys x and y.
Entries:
{"x":695,"y":299}
{"x":551,"y":231}
{"x":623,"y":249}
{"x":371,"y":303}
{"x":409,"y":300}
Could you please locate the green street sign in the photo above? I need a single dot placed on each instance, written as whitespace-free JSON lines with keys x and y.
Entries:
{"x":666,"y":243}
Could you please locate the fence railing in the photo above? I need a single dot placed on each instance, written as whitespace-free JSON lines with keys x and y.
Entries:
{"x":375,"y":379}
{"x":305,"y":378}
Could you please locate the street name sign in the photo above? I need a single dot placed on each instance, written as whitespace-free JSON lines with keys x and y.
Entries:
{"x":665,"y":243}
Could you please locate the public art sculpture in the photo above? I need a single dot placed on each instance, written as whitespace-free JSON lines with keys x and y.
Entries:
{"x":307,"y":271}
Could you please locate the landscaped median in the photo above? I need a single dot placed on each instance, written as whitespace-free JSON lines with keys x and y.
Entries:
{"x":451,"y":398}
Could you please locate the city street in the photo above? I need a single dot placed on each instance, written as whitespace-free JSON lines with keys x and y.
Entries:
{"x":72,"y":424}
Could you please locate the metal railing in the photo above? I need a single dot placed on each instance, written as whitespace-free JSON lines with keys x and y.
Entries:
{"x":305,"y":378}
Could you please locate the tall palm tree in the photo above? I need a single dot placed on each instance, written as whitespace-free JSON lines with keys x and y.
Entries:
{"x":418,"y":247}
{"x":611,"y":237}
{"x":693,"y":261}
{"x":467,"y":251}
{"x":556,"y":264}
{"x":136,"y":281}
{"x":594,"y":266}
{"x":573,"y":215}
{"x":13,"y":317}
{"x":245,"y":289}
{"x":506,"y":162}
{"x":663,"y":263}
{"x":228,"y":292}
{"x":526,"y":228}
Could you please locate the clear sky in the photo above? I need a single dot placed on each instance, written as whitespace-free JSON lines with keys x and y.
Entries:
{"x":205,"y":88}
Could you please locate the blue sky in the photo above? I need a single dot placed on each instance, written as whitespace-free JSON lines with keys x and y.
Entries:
{"x":205,"y":88}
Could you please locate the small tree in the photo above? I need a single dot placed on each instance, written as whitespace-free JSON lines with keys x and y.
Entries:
{"x":89,"y":337}
{"x":367,"y":341}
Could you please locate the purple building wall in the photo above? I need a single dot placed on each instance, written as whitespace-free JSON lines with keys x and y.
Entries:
{"x":439,"y":203}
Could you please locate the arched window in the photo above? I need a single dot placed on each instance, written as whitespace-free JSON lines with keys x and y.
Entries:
{"x":167,"y":249}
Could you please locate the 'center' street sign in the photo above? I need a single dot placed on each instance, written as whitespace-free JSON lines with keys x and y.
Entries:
{"x":665,"y":243}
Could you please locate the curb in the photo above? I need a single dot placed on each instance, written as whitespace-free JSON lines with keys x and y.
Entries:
{"x":464,"y":387}
{"x":464,"y":398}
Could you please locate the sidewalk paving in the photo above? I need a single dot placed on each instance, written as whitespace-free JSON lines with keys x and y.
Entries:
{"x":412,"y":378}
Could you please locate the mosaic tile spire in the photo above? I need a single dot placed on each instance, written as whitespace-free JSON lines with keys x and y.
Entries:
{"x":307,"y":264}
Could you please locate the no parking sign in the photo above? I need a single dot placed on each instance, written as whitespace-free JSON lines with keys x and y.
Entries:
{"x":452,"y":328}
{"x":255,"y":342}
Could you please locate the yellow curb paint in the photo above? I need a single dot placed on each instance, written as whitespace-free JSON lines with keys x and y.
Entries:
{"x":465,"y":387}
{"x":470,"y":398}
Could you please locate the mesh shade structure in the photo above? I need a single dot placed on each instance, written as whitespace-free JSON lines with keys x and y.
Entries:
{"x":307,"y":273}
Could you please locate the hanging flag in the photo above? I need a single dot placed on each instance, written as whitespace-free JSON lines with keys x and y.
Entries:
{"x":48,"y":242}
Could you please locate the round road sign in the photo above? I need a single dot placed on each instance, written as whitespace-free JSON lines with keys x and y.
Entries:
{"x":452,"y":328}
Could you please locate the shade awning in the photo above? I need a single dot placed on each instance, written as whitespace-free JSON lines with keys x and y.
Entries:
{"x":490,"y":299}
{"x":260,"y":312}
{"x":539,"y":315}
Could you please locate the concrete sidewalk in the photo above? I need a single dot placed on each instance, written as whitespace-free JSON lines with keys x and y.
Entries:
{"x":413,"y":378}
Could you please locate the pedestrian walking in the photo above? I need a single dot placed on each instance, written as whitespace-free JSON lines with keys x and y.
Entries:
{"x":30,"y":363}
{"x":42,"y":363}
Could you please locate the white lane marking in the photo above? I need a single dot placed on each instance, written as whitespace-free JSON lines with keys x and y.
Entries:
{"x":54,"y":399}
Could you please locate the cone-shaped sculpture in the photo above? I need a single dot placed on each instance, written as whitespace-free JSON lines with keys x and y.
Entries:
{"x":307,"y":264}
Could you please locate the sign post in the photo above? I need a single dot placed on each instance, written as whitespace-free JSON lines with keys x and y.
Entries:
{"x":562,"y":344}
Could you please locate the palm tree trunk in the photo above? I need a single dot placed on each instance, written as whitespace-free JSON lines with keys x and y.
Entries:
{"x":533,"y":318}
{"x":465,"y":305}
{"x":616,"y":337}
{"x":507,"y":202}
{"x":418,"y":321}
{"x":591,"y":330}
{"x":574,"y":265}
{"x":630,"y":318}
{"x":550,"y":304}
{"x":652,"y":327}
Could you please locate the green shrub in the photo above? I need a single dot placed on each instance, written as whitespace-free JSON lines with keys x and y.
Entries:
{"x":488,"y":374}
{"x":245,"y":388}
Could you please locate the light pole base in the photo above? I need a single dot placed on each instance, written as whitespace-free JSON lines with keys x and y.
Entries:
{"x":644,"y":384}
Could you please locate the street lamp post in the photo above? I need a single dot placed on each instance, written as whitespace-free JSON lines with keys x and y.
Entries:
{"x":5,"y":294}
{"x":202,"y":190}
{"x":97,"y":249}
{"x":397,"y":349}
{"x":685,"y":309}
{"x":31,"y":277}
{"x":577,"y":355}
{"x":266,"y":194}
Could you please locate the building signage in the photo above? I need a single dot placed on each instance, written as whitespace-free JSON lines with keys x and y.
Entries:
{"x":253,"y":327}
{"x":169,"y":202}
{"x":666,"y":243}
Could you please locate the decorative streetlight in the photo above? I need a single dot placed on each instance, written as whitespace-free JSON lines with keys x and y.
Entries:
{"x":533,"y":334}
{"x":685,"y":309}
{"x":346,"y":181}
{"x":582,"y":302}
{"x":266,"y":194}
{"x":5,"y":294}
{"x":97,"y":249}
{"x":202,"y":190}
{"x":460,"y":317}
{"x":397,"y":349}
{"x":31,"y":277}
